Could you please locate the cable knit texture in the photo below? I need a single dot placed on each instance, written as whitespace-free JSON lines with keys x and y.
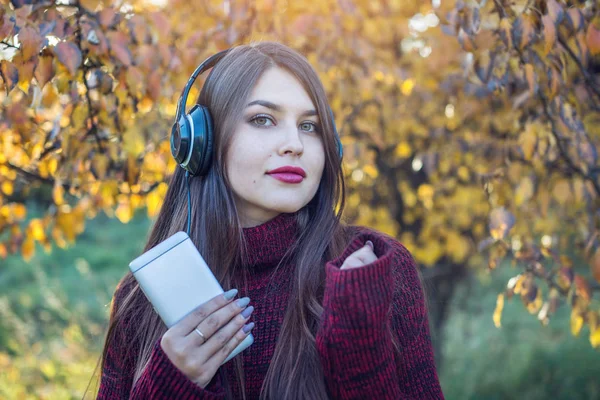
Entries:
{"x":363,"y":309}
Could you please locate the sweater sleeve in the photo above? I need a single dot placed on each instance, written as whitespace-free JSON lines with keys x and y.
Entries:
{"x":364,"y":309}
{"x":159,"y":380}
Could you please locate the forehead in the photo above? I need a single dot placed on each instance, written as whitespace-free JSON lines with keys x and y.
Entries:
{"x":282,"y":88}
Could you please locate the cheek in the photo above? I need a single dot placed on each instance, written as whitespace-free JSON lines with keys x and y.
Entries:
{"x":244,"y":161}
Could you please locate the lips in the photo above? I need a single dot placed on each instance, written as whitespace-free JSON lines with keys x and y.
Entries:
{"x":288,"y":174}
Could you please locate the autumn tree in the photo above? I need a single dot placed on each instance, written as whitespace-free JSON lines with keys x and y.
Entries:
{"x":470,"y":129}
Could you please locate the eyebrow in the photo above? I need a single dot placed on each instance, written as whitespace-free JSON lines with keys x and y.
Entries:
{"x":278,"y":108}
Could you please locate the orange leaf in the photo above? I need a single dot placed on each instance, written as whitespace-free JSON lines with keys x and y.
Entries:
{"x":581,"y":41}
{"x":465,"y":40}
{"x":108,"y":17}
{"x":44,"y":72}
{"x":3,"y":251}
{"x":26,"y":70}
{"x":119,"y":47}
{"x":31,"y":42}
{"x":505,"y":32}
{"x":153,"y":86}
{"x":582,"y":288}
{"x":6,"y":27}
{"x":555,"y":11}
{"x":593,"y":39}
{"x":526,"y":28}
{"x":135,"y":81}
{"x":575,"y":18}
{"x":549,"y":33}
{"x":530,"y":76}
{"x":554,"y":82}
{"x":69,"y":55}
{"x":28,"y":248}
{"x":10,"y":74}
{"x":596,"y":265}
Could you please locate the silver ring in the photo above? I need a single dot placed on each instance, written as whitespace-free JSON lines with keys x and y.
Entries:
{"x":201,"y":335}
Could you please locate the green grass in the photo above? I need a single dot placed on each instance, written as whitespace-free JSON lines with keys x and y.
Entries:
{"x":522,"y":359}
{"x":54,"y":310}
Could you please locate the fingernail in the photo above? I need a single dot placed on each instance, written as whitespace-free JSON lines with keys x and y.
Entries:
{"x":370,"y":244}
{"x":246,"y":313}
{"x":243,"y":302}
{"x":230,"y":294}
{"x":247,"y":328}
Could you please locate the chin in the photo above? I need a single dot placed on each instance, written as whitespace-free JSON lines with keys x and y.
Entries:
{"x":288,"y":209}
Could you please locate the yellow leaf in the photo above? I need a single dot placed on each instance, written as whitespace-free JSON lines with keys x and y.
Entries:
{"x":425,"y":191}
{"x":403,"y":150}
{"x":430,"y":253}
{"x":52,"y":166}
{"x":19,"y":211}
{"x":58,"y":194}
{"x":153,"y":202}
{"x":528,"y":141}
{"x":534,"y":306}
{"x":371,"y":171}
{"x":133,"y":142}
{"x":562,"y":191}
{"x":498,"y":311}
{"x":524,"y":191}
{"x":576,"y":322}
{"x":7,"y":188}
{"x":67,"y":223}
{"x":47,"y":367}
{"x":28,"y":248}
{"x":457,"y":246}
{"x":100,"y":165}
{"x":595,"y":337}
{"x":37,"y":229}
{"x":124,"y":212}
{"x":407,"y":86}
{"x":59,"y":238}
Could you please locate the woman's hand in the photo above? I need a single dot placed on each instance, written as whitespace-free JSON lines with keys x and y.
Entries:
{"x":360,"y":257}
{"x":221,"y":321}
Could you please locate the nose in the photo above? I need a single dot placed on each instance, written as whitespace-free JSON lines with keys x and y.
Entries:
{"x":292,"y":141}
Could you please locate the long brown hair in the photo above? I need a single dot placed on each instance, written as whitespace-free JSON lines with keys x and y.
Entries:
{"x":295,"y":370}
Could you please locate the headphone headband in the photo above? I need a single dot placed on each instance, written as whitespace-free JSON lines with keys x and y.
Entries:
{"x":206,"y":64}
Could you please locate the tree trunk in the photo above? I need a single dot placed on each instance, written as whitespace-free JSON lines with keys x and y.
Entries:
{"x":440,"y":283}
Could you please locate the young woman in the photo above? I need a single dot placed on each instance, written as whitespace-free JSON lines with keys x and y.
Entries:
{"x":336,"y":311}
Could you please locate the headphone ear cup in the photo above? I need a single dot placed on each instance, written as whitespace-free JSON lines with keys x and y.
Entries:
{"x":181,"y":140}
{"x":208,"y":148}
{"x":200,"y":154}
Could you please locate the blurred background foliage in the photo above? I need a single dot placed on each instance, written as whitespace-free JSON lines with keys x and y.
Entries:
{"x":470,"y":131}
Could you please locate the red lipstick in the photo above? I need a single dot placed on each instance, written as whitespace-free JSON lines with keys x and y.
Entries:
{"x":288,"y":174}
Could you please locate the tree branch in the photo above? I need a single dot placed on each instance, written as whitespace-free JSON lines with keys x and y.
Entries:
{"x":94,"y":128}
{"x":30,"y":175}
{"x":586,"y":75}
{"x":559,"y":140}
{"x":8,"y":45}
{"x":562,"y":150}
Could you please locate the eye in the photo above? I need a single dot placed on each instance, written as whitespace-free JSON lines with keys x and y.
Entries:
{"x":309,"y":127}
{"x":262,"y":120}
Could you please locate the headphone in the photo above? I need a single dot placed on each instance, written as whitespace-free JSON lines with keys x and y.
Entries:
{"x":192,"y":133}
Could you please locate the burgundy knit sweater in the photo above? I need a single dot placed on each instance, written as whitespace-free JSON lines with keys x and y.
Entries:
{"x":358,"y":357}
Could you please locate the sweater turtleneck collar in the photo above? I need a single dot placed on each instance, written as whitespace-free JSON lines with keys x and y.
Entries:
{"x":268,"y":242}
